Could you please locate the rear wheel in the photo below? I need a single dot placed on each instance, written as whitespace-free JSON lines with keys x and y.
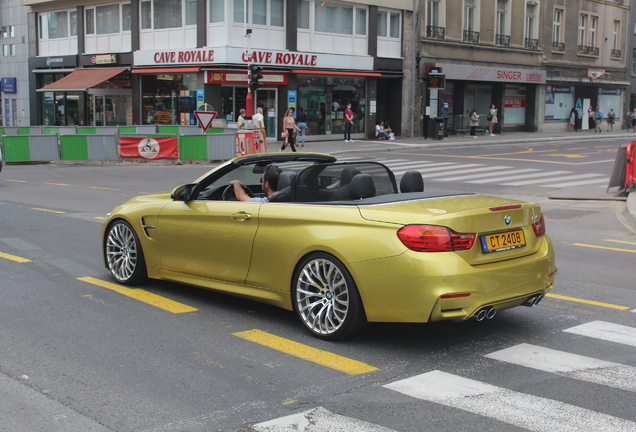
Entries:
{"x":326,"y":298}
{"x":123,"y":253}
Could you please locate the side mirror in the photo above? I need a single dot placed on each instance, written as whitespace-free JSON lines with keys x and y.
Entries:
{"x":183,"y":192}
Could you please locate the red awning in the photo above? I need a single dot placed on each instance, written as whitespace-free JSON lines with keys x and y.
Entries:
{"x":167,"y":70}
{"x":82,"y":79}
{"x":327,"y":72}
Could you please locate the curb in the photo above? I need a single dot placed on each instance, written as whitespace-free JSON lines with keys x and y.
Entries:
{"x":630,"y":209}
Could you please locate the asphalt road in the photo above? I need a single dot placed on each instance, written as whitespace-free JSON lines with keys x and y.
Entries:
{"x":79,"y":355}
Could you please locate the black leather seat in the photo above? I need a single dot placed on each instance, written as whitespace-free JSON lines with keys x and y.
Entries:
{"x":284,"y":187}
{"x":361,"y":186}
{"x":342,"y":193}
{"x":412,"y":181}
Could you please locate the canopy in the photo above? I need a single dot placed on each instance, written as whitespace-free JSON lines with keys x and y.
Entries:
{"x":82,"y":79}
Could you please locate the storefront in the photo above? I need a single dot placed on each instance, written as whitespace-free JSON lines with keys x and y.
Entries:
{"x":512,"y":91}
{"x":322,"y":84}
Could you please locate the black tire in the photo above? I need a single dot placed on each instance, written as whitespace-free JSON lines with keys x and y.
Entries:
{"x":124,"y":256}
{"x":326,"y":299}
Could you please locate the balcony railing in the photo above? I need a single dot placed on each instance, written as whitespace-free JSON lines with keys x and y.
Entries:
{"x":582,"y":49}
{"x":471,"y":36}
{"x":616,"y":53}
{"x":502,"y":40}
{"x":593,"y":51}
{"x":435,"y":32}
{"x":532,"y":44}
{"x":558,"y":46}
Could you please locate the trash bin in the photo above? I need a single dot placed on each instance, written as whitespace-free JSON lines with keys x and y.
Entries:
{"x":436,"y":128}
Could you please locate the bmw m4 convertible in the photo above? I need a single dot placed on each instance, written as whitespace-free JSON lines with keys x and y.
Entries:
{"x":340,"y":244}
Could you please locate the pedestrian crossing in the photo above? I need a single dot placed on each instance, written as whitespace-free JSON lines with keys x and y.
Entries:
{"x":476,"y":173}
{"x":513,"y":407}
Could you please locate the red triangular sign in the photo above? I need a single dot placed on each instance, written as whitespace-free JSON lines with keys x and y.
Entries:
{"x":205,"y":118}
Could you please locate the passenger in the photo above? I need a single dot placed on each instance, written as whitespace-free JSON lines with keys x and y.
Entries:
{"x":269,"y":184}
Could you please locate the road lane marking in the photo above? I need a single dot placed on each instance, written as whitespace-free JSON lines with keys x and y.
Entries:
{"x":606,"y":331}
{"x":489,"y":174}
{"x":517,"y":177}
{"x":58,"y":184}
{"x":324,"y":358}
{"x":501,"y":158}
{"x":100,"y":217}
{"x":570,"y":365}
{"x":141,"y":295}
{"x":603,"y":247}
{"x":579,"y":183}
{"x":590,"y":302}
{"x":97,"y":187}
{"x":318,"y":419}
{"x":17,"y":181}
{"x":572,"y":177}
{"x":46,"y":210}
{"x":20,"y":244}
{"x":530,"y":412}
{"x":621,"y":241}
{"x":14,"y":258}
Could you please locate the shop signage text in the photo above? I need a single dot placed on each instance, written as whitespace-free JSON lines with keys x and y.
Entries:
{"x":194,"y":56}
{"x":223,"y":77}
{"x":493,"y":74}
{"x":9,"y":85}
{"x":280,"y":58}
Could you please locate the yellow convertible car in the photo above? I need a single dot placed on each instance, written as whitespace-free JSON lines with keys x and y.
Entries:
{"x":341,"y":244}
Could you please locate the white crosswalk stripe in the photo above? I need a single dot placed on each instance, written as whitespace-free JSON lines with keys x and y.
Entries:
{"x":318,"y":420}
{"x":572,"y":177}
{"x":533,"y":175}
{"x":488,"y":174}
{"x":531,"y":412}
{"x":570,"y":365}
{"x":611,"y":332}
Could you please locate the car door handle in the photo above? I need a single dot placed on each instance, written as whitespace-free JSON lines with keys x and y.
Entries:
{"x":242,"y":216}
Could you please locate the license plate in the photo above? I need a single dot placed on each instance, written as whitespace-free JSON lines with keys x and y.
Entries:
{"x":503,"y":241}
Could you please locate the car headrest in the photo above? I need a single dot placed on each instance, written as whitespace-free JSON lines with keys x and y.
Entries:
{"x":412,"y":181}
{"x":362,"y":186}
{"x":347,"y":174}
{"x":285,"y":178}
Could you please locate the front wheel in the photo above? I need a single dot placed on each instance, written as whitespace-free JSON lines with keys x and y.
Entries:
{"x":123,"y":252}
{"x":326,"y":298}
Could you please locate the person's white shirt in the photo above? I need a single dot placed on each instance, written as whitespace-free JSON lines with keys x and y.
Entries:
{"x":378,"y":129}
{"x":258,"y":119}
{"x":335,"y":106}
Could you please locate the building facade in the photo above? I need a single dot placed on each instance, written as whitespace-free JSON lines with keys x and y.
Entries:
{"x":157,"y":61}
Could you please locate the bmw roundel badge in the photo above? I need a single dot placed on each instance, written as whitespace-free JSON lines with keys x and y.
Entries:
{"x":507,"y":219}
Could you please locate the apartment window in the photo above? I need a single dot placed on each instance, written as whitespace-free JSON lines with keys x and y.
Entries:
{"x":469,"y":15}
{"x":336,"y":18}
{"x":633,"y":61}
{"x":58,"y":25}
{"x":303,"y":14}
{"x":11,"y":31}
{"x":5,"y":32}
{"x":90,"y":21}
{"x":616,"y":34}
{"x":593,"y":24}
{"x":107,"y":19}
{"x":126,"y":17}
{"x":361,"y":21}
{"x":382,"y":23}
{"x":190,"y":12}
{"x":530,"y":20}
{"x":582,"y":29}
{"x":146,"y":15}
{"x":12,"y":49}
{"x":502,"y":6}
{"x":432,"y":13}
{"x":5,"y":50}
{"x":557,"y":26}
{"x":394,"y":25}
{"x":167,"y":14}
{"x":217,"y":11}
{"x":259,"y":12}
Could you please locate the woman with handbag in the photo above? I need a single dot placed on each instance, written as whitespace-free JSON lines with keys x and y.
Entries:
{"x":474,"y":122}
{"x":289,"y":125}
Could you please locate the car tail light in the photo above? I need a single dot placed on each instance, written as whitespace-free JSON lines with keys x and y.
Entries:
{"x":432,"y":238}
{"x":539,"y":227}
{"x":503,"y":208}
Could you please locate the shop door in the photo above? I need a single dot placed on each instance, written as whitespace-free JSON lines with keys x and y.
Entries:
{"x":267,"y":99}
{"x":110,"y":108}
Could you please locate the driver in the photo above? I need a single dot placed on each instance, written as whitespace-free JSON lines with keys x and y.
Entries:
{"x":269,"y":183}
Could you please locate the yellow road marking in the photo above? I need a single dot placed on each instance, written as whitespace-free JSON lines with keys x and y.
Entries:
{"x":14,"y":258}
{"x":324,"y":358}
{"x":620,"y":241}
{"x":141,"y":295}
{"x":568,"y":156}
{"x":604,"y":247}
{"x":97,"y":187}
{"x":58,"y":184}
{"x":19,"y":181}
{"x":606,"y":146}
{"x":591,"y":302}
{"x":100,"y":217}
{"x":52,"y":211}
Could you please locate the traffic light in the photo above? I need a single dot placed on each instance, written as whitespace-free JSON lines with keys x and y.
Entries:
{"x":255,"y":75}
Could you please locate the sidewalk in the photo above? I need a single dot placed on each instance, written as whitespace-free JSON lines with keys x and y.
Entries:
{"x":337,"y":147}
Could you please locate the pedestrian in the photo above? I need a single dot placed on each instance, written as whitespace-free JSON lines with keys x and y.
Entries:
{"x":611,"y":119}
{"x":493,"y":119}
{"x":335,"y":106}
{"x":591,"y":123}
{"x":627,"y":120}
{"x":302,"y":124}
{"x":388,"y":130}
{"x":573,"y":120}
{"x":258,"y":119}
{"x":379,"y":131}
{"x":289,"y":125}
{"x":241,"y":119}
{"x":634,"y":120}
{"x":474,"y":122}
{"x":348,"y":123}
{"x":598,"y":117}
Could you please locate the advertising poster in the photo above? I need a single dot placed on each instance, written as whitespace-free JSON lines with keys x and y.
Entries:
{"x":148,"y":148}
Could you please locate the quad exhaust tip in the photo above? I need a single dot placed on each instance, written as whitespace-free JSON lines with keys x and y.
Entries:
{"x":488,"y":312}
{"x":533,"y":301}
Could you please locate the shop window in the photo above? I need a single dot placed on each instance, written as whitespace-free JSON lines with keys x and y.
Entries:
{"x":334,"y":18}
{"x":217,"y":11}
{"x":168,"y":99}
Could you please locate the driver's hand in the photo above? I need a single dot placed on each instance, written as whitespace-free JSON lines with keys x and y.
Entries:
{"x":237,"y":182}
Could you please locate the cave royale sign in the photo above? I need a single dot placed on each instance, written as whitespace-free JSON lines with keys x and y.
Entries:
{"x":233,"y":56}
